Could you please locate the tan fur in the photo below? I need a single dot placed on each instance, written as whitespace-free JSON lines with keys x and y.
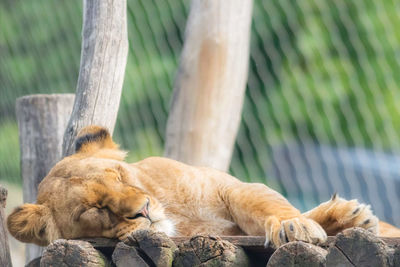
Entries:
{"x":94,"y":193}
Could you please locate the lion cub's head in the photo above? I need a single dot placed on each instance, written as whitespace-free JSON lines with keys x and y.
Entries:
{"x":92,"y":193}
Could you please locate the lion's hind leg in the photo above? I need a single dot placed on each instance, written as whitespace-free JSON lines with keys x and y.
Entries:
{"x":338,"y":214}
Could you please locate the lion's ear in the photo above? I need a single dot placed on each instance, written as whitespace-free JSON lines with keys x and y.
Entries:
{"x":32,"y":223}
{"x":93,"y":138}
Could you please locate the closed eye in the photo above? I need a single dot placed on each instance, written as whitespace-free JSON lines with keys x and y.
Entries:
{"x":138,"y":215}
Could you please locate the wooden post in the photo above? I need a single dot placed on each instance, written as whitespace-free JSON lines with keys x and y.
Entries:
{"x":42,"y":120}
{"x":102,"y":68}
{"x":210,"y":83}
{"x":5,"y":258}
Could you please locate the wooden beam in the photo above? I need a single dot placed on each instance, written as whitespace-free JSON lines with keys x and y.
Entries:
{"x":209,"y":87}
{"x":102,"y":68}
{"x":42,"y":120}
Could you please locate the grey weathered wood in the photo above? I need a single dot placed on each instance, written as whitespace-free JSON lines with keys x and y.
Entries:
{"x":145,"y":249}
{"x":298,"y":254}
{"x":158,"y":248}
{"x":126,"y":256}
{"x":34,"y":263}
{"x":210,"y":84}
{"x":249,"y":242}
{"x":358,"y":247}
{"x":210,"y":251}
{"x":102,"y":68}
{"x":5,"y":258}
{"x":72,"y":253}
{"x":42,"y":120}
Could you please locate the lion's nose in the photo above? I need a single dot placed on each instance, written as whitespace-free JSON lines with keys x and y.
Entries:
{"x":145,"y":210}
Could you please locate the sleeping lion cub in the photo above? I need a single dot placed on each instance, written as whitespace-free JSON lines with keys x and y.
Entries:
{"x":94,"y":193}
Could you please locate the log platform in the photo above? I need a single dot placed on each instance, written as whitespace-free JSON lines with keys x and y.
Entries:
{"x":352,"y":247}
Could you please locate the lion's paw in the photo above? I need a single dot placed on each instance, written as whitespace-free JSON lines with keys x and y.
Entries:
{"x":279,"y":232}
{"x":338,"y":214}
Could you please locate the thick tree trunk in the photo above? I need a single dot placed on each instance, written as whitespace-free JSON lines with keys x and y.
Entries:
{"x":5,"y":258}
{"x":102,"y":69}
{"x":42,"y":120}
{"x":210,"y":84}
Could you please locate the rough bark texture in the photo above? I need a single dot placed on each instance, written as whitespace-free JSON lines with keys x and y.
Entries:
{"x":5,"y":258}
{"x":102,"y":68}
{"x":358,"y":247}
{"x":298,"y":254}
{"x":42,"y":120}
{"x":395,"y":257}
{"x":155,"y":247}
{"x":34,"y":263}
{"x":354,"y":247}
{"x":126,"y":256}
{"x":145,"y":248}
{"x":209,"y":88}
{"x":72,"y":253}
{"x":210,"y":251}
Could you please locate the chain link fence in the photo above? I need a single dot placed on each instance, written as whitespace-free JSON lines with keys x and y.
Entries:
{"x":321,"y":113}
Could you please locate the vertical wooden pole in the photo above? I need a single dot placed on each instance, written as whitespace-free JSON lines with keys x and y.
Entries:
{"x":5,"y":258}
{"x":209,"y":87}
{"x":102,"y":68}
{"x":42,"y":120}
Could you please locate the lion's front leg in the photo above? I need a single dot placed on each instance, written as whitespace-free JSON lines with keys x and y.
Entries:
{"x":338,"y":214}
{"x":259,"y":210}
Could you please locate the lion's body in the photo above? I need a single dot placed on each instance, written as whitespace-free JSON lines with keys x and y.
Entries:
{"x":95,"y":193}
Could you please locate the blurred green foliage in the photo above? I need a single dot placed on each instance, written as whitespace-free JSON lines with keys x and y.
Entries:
{"x":320,"y":71}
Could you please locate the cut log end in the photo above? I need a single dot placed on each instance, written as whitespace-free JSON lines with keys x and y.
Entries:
{"x":72,"y":253}
{"x":211,"y":251}
{"x":152,"y":248}
{"x":358,"y":247}
{"x":298,"y":254}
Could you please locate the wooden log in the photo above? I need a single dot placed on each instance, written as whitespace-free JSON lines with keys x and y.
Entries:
{"x":255,"y":243}
{"x":5,"y":258}
{"x":145,"y":248}
{"x":156,"y":247}
{"x":72,"y":253}
{"x":34,"y":263}
{"x":358,"y":247}
{"x":42,"y":120}
{"x":395,"y":256}
{"x":102,"y":68}
{"x":298,"y":254}
{"x":254,"y":247}
{"x":126,"y":256}
{"x":210,"y":251}
{"x":209,"y":87}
